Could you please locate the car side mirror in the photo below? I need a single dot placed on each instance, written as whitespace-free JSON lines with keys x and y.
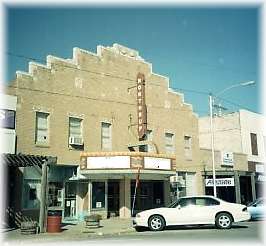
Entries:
{"x":255,"y":205}
{"x":178,"y":206}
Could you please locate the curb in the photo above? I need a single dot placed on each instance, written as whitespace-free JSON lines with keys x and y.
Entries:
{"x":125,"y":231}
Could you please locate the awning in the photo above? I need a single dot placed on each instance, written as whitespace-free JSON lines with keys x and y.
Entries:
{"x":23,"y":160}
{"x":128,"y":173}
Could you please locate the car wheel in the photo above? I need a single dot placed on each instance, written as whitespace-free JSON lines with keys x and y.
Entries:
{"x":156,"y":223}
{"x":223,"y":221}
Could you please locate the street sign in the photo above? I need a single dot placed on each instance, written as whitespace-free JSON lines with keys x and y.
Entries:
{"x":227,"y":158}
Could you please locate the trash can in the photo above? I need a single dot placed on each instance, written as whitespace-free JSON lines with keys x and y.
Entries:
{"x":54,"y":220}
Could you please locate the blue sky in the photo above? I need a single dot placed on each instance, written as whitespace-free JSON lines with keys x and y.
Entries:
{"x":198,"y":48}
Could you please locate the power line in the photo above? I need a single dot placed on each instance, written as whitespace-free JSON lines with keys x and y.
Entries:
{"x":105,"y":74}
{"x":128,"y":79}
{"x":98,"y":99}
{"x":189,"y":90}
{"x":74,"y":68}
{"x":236,"y":104}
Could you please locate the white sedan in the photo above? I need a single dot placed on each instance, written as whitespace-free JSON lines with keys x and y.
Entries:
{"x":196,"y":210}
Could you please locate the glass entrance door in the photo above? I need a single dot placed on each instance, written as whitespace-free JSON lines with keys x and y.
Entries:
{"x":113,"y":198}
{"x":70,"y":200}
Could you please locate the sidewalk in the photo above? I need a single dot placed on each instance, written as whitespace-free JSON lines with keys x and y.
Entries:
{"x":74,"y":231}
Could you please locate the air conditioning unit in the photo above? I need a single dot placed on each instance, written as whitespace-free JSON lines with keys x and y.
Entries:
{"x":178,"y":180}
{"x":75,"y":140}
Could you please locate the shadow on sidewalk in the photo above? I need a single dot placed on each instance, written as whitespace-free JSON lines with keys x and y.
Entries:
{"x":192,"y":227}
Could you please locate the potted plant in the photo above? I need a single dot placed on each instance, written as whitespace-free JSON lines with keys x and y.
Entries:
{"x":93,"y":220}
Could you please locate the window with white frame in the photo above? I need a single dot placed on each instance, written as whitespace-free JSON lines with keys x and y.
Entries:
{"x":106,"y":136}
{"x":188,"y":147}
{"x":75,"y":131}
{"x":41,"y":135}
{"x":7,"y":118}
{"x":169,"y":143}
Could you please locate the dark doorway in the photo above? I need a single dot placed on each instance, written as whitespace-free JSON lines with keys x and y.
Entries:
{"x":113,"y":198}
{"x":245,"y":189}
{"x":226,"y":193}
{"x":150,"y":194}
{"x":70,"y":200}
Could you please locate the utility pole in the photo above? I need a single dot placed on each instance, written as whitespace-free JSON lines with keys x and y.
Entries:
{"x":211,"y":104}
{"x":212,"y":144}
{"x":44,"y":192}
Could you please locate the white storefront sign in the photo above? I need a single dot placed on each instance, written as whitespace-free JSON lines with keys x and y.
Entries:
{"x":108,"y":162}
{"x":157,"y":163}
{"x":262,"y":178}
{"x":220,"y":182}
{"x":98,"y":204}
{"x":227,"y":158}
{"x":259,"y":168}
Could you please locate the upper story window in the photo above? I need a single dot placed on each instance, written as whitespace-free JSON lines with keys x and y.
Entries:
{"x":188,"y":147}
{"x":42,"y":132}
{"x":169,"y":143}
{"x":7,"y":118}
{"x":75,"y":132}
{"x":254,"y":144}
{"x":106,"y":136}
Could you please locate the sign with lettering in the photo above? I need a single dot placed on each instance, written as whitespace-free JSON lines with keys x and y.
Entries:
{"x":227,"y":159}
{"x":261,"y":178}
{"x":220,"y":182}
{"x":142,"y":109}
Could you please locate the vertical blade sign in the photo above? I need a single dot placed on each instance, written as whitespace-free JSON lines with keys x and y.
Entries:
{"x":142,"y":110}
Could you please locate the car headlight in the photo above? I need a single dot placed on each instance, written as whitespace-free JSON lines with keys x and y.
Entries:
{"x":137,"y":215}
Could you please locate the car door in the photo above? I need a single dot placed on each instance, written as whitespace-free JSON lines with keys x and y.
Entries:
{"x":182,"y":213}
{"x":205,"y":210}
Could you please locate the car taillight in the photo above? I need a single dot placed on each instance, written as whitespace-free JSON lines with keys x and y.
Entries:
{"x":244,"y":209}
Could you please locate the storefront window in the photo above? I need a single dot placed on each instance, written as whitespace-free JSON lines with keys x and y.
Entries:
{"x":7,"y":118}
{"x":55,"y":196}
{"x":98,"y":195}
{"x":31,"y":194}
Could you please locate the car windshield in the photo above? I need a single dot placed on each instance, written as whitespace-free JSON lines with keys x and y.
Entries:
{"x":257,"y":201}
{"x":173,"y":204}
{"x":251,"y":203}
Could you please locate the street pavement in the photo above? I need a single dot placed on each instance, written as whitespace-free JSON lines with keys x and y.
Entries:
{"x":244,"y":233}
{"x":116,"y":231}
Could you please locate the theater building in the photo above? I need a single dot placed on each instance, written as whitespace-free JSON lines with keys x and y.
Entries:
{"x":106,"y":115}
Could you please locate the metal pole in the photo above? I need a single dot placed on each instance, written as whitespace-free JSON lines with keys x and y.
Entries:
{"x":212,"y":145}
{"x":43,"y":197}
{"x":134,"y":199}
{"x":133,"y":205}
